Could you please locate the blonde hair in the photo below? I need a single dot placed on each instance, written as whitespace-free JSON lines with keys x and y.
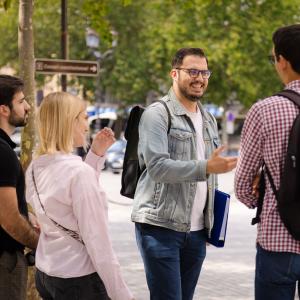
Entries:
{"x":55,"y":121}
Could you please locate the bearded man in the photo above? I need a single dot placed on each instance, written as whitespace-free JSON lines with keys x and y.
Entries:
{"x":173,"y":203}
{"x":16,"y":231}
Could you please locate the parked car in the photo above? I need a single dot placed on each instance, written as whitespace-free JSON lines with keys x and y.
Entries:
{"x":115,"y":156}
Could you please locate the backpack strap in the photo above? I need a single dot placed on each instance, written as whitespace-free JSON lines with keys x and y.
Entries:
{"x":291,"y":95}
{"x":169,"y":114}
{"x":295,"y":98}
{"x":262,"y":190}
{"x":275,"y":191}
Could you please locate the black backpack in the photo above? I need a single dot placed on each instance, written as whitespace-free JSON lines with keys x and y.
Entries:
{"x":288,"y":195}
{"x":131,"y":169}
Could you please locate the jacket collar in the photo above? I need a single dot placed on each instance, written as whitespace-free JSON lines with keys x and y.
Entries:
{"x":4,"y":136}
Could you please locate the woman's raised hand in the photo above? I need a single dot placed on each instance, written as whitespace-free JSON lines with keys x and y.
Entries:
{"x":102,"y":141}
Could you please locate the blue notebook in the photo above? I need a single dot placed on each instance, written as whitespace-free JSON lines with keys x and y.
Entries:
{"x":221,"y":209}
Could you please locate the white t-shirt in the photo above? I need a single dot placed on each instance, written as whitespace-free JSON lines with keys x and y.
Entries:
{"x":197,"y":218}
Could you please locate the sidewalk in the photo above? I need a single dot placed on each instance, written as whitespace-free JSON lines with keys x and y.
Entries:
{"x":227,"y":273}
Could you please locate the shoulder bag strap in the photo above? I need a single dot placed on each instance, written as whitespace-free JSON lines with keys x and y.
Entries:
{"x":169,"y":114}
{"x":69,"y":232}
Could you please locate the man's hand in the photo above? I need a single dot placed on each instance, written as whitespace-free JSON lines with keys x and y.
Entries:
{"x":219,"y":164}
{"x":102,"y":141}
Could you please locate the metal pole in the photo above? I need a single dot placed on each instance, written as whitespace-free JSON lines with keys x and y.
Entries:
{"x":64,"y":40}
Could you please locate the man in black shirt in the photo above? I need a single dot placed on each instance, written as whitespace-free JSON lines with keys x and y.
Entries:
{"x":16,"y":232}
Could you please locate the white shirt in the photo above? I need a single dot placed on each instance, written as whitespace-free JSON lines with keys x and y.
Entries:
{"x":197,"y":218}
{"x":71,"y":195}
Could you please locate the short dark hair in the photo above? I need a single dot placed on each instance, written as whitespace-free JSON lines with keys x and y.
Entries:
{"x":287,"y":43}
{"x":9,"y":86}
{"x":183,"y":52}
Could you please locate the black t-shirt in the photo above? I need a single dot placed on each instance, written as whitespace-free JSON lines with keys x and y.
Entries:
{"x":11,"y":175}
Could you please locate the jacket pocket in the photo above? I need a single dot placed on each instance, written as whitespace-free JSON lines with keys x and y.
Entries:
{"x":156,"y":194}
{"x":179,"y":143}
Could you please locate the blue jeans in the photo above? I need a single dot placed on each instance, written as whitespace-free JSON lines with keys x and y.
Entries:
{"x":172,"y":260}
{"x":276,"y":275}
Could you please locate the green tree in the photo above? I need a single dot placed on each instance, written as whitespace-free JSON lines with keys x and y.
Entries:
{"x":46,"y":19}
{"x":235,"y":34}
{"x":26,"y":62}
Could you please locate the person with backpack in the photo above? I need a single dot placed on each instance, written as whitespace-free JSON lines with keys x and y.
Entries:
{"x":173,"y":202}
{"x":270,"y":139}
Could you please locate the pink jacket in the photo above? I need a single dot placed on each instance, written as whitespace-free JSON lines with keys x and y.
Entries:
{"x":70,"y":192}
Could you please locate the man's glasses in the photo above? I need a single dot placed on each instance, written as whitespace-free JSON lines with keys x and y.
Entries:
{"x":194,"y":73}
{"x":271,"y":59}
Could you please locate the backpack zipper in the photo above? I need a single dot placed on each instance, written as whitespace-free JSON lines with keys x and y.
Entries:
{"x":293,"y":157}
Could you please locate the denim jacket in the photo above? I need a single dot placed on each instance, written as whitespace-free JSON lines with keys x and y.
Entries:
{"x":166,"y":189}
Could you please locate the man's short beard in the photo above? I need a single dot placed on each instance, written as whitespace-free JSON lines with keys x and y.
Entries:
{"x":15,"y":121}
{"x":193,"y":98}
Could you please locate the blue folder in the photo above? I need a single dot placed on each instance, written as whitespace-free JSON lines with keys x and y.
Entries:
{"x":221,"y":209}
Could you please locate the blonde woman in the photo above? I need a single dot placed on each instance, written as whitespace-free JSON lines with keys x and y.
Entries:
{"x":74,"y":257}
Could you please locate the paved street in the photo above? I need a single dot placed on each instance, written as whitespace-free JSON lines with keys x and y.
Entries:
{"x":227,"y":273}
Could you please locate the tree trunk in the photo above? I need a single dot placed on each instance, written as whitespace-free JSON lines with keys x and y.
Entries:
{"x":26,"y":60}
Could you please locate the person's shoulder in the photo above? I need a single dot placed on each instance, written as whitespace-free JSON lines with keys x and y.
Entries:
{"x":156,"y":106}
{"x":80,"y":168}
{"x":83,"y":176}
{"x":5,"y":146}
{"x":70,"y":164}
{"x":155,"y":112}
{"x":71,"y":169}
{"x":7,"y":154}
{"x":270,"y":101}
{"x":261,"y":104}
{"x":267,"y":107}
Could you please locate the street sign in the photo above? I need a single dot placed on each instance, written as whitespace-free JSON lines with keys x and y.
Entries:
{"x":61,"y":66}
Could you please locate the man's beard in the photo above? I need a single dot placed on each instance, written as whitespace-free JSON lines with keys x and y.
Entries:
{"x":188,"y":96}
{"x":17,"y":121}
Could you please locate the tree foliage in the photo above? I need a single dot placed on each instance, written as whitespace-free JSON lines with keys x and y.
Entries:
{"x":235,"y":34}
{"x":5,"y":4}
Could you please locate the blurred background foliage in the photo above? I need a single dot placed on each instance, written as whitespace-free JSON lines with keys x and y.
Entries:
{"x":235,"y":34}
